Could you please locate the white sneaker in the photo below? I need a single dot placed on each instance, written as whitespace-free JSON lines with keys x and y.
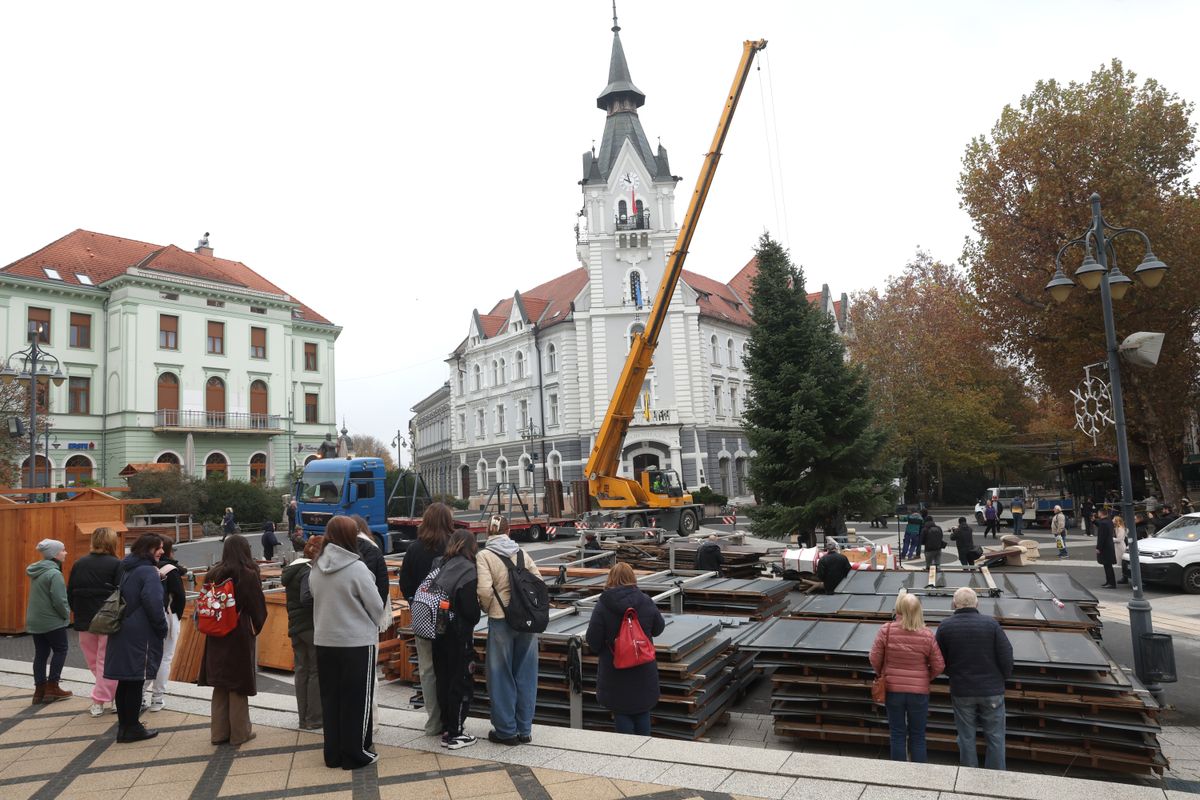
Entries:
{"x":158,"y":703}
{"x":459,"y":742}
{"x":96,"y":710}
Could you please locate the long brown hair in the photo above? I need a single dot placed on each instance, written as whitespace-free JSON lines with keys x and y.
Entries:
{"x":236,"y":562}
{"x":461,"y":542}
{"x":621,"y":574}
{"x":343,"y":532}
{"x":437,"y":523}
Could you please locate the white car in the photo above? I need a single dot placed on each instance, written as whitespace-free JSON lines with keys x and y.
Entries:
{"x":1172,"y":555}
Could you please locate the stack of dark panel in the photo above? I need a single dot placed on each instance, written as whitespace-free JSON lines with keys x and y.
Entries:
{"x":701,"y":672}
{"x":757,"y":598}
{"x":1067,"y":702}
{"x":740,"y":561}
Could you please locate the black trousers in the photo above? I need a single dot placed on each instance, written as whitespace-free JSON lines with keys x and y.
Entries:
{"x":1110,"y":578}
{"x":453,"y":656}
{"x":49,"y":647}
{"x":129,"y":704}
{"x":992,"y":526}
{"x":347,"y":677}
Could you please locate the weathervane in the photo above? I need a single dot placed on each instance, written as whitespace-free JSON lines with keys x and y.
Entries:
{"x":1093,"y":403}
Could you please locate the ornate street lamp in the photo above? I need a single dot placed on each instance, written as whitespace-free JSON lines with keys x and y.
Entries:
{"x":1113,"y":284}
{"x":34,"y":365}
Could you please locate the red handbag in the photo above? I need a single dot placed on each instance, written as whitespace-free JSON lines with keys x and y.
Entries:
{"x":632,"y":647}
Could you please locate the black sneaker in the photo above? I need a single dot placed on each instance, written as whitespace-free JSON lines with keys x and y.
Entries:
{"x":524,"y":738}
{"x":496,"y":738}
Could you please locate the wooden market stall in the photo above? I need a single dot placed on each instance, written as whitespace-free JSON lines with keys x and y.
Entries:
{"x":70,"y":520}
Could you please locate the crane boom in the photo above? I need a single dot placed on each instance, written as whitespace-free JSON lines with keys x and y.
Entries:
{"x":605,"y":487}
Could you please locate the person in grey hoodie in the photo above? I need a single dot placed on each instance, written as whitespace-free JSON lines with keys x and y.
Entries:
{"x":346,"y":613}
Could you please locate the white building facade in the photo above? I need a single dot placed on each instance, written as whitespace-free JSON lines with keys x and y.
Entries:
{"x":171,"y":356}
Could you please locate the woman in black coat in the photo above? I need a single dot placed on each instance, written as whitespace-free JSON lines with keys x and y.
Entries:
{"x":134,"y":652}
{"x":229,"y":664}
{"x":93,"y":578}
{"x":1106,"y":552}
{"x":631,"y":693}
{"x":454,"y":649}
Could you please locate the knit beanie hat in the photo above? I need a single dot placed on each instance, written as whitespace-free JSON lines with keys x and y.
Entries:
{"x":50,"y":548}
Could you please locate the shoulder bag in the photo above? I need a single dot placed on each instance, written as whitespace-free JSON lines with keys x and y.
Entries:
{"x":879,"y":685}
{"x":107,"y":620}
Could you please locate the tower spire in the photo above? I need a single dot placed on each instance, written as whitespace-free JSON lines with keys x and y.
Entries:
{"x":615,"y":28}
{"x":620,"y":94}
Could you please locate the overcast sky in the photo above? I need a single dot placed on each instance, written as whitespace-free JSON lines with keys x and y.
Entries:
{"x":396,"y":165}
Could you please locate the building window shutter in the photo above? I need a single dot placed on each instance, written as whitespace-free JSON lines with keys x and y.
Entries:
{"x":168,"y":332}
{"x":216,"y":338}
{"x":258,"y":342}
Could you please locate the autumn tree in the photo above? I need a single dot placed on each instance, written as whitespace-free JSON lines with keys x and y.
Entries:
{"x":14,"y":450}
{"x":368,"y":446}
{"x":808,"y":415}
{"x":1026,"y":187}
{"x":936,"y":382}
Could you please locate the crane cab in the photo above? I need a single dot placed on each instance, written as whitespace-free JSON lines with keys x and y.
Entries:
{"x":661,"y":484}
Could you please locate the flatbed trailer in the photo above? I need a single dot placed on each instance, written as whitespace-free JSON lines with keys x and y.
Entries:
{"x":525,"y":529}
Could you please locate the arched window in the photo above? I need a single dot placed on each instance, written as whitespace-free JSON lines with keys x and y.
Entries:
{"x":520,"y":365}
{"x":78,"y":470}
{"x":503,"y":371}
{"x":635,"y":288}
{"x":461,"y":382}
{"x":168,"y":399}
{"x":258,"y":468}
{"x":502,"y":470}
{"x":478,"y":378}
{"x":168,"y":458}
{"x":523,"y":472}
{"x":495,"y":373}
{"x":640,"y":207}
{"x":214,"y":402}
{"x":216,"y":467}
{"x":258,"y":404}
{"x":40,"y":476}
{"x":551,"y":359}
{"x":745,"y":352}
{"x":623,"y":211}
{"x":634,"y":330}
{"x":554,"y":462}
{"x":716,"y":352}
{"x":729,"y":348}
{"x":481,"y":475}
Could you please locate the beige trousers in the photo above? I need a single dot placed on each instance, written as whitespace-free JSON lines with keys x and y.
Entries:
{"x":230,"y":717}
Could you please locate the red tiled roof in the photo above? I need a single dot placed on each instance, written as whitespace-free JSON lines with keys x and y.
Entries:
{"x":494,"y":323}
{"x":546,"y":304}
{"x":743,"y":283}
{"x":102,"y":257}
{"x":814,"y":297}
{"x":718,"y":300}
{"x":837,"y":310}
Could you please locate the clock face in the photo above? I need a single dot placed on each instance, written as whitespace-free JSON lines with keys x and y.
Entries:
{"x":630,"y":180}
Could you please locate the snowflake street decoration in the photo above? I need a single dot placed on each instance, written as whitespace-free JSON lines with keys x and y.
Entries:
{"x":1093,"y":404}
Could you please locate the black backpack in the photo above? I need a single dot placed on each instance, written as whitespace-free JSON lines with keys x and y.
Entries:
{"x":528,"y":609}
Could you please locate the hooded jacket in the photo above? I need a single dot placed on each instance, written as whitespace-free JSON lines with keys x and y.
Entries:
{"x":295,"y":581}
{"x":346,"y":605}
{"x":493,"y":573}
{"x":48,"y":609}
{"x":134,"y":652}
{"x":625,"y":691}
{"x":709,"y":557}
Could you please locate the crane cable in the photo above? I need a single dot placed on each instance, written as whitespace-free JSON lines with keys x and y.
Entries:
{"x":774,"y":161}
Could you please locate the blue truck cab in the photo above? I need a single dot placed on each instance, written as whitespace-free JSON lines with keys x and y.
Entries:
{"x":332,"y":486}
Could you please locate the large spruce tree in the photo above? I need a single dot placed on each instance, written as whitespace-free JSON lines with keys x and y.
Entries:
{"x":808,"y":415}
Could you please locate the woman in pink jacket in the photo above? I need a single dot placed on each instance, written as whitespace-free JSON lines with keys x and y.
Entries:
{"x":908,"y":656}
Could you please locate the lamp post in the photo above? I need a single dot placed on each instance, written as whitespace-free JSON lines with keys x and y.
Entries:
{"x":532,"y":432}
{"x":1113,"y":285}
{"x":34,"y":364}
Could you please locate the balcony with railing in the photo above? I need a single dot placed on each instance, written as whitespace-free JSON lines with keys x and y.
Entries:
{"x":217,"y":421}
{"x":632,"y":222}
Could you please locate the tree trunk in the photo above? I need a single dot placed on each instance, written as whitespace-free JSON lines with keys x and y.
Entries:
{"x":940,"y":482}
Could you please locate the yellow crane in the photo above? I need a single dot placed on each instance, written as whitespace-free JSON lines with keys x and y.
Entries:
{"x":658,"y":493}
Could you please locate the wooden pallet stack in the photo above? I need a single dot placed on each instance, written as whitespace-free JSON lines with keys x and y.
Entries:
{"x":397,"y":654}
{"x":740,"y":561}
{"x":756,"y":599}
{"x":701,"y":672}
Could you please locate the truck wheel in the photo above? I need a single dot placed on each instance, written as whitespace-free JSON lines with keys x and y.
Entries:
{"x":1191,"y":579}
{"x":688,"y":523}
{"x":979,"y":520}
{"x":635,"y":521}
{"x":535,"y":533}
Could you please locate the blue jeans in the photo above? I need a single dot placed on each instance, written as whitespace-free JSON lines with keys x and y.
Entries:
{"x":1018,"y":519}
{"x":971,"y":714}
{"x":911,"y":547}
{"x":511,"y":678}
{"x":907,"y":713}
{"x":632,"y":723}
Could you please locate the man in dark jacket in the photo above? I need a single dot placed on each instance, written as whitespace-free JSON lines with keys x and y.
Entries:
{"x":912,"y":537}
{"x":833,"y":567}
{"x":964,"y":539}
{"x":708,"y":555}
{"x":1106,"y":551}
{"x":1165,"y":518}
{"x":1087,"y":511}
{"x":979,"y":659}
{"x":933,"y":540}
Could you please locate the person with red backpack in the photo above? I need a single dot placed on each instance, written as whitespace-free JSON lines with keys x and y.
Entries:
{"x":229,"y":663}
{"x":621,"y":632}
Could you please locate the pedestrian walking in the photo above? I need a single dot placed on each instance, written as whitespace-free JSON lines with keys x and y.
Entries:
{"x":135,"y":651}
{"x":295,"y":580}
{"x":269,"y":541}
{"x":1087,"y":512}
{"x":991,"y":520}
{"x":630,"y":693}
{"x":511,"y":655}
{"x":1106,"y":551}
{"x":437,"y":523}
{"x":979,"y":659}
{"x":906,"y":654}
{"x":228,"y":524}
{"x":229,"y":664}
{"x":832,"y":567}
{"x":346,"y":613}
{"x":912,"y":537}
{"x":1058,"y":529}
{"x":933,"y":540}
{"x":454,"y":648}
{"x":93,"y":578}
{"x":292,"y":513}
{"x":46,"y":617}
{"x":708,"y":555}
{"x":174,"y":601}
{"x":963,"y":537}
{"x":1017,"y":507}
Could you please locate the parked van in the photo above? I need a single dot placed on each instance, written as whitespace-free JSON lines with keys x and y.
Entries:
{"x":1005,"y":494}
{"x":1172,"y":555}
